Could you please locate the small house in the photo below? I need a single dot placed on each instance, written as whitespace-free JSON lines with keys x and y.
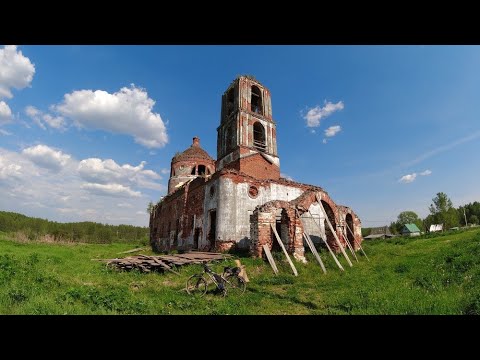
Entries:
{"x":410,"y":230}
{"x":436,"y":227}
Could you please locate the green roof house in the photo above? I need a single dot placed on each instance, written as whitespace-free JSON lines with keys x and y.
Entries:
{"x":410,"y":229}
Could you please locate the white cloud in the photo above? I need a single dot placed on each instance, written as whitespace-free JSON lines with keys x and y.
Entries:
{"x":165,"y":171}
{"x":5,"y":113}
{"x":128,"y":111}
{"x":124,"y":205}
{"x":324,"y":141}
{"x":38,"y":117}
{"x":8,"y":169}
{"x":332,"y":130}
{"x":116,"y":190}
{"x":108,"y":171}
{"x":425,"y":173}
{"x":286,"y":176}
{"x":46,"y":157}
{"x":5,"y":132}
{"x":28,"y":188}
{"x":317,"y":113}
{"x":16,"y":71}
{"x":408,"y":178}
{"x":56,"y":122}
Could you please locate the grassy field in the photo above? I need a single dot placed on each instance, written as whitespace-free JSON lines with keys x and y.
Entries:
{"x":438,"y":275}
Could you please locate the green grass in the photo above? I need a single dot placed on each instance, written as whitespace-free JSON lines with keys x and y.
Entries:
{"x":437,"y":275}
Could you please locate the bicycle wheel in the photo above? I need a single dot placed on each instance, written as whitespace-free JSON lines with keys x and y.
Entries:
{"x":235,"y":285}
{"x":196,"y":285}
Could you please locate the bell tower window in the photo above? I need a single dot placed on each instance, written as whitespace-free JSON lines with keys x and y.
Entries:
{"x":256,"y":100}
{"x":259,"y":137}
{"x":230,"y":101}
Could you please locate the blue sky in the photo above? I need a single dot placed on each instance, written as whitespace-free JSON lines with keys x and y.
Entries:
{"x":88,"y":132}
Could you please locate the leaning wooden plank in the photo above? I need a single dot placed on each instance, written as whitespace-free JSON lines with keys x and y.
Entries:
{"x":359,"y":245}
{"x":333,"y":230}
{"x":314,"y":251}
{"x":132,"y":251}
{"x":270,"y":259}
{"x":165,"y":266}
{"x":345,"y":237}
{"x":322,"y":235}
{"x":284,"y":250}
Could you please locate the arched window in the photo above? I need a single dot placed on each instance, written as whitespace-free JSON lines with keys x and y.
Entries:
{"x":259,"y":137}
{"x":229,"y":139}
{"x":230,"y":101}
{"x":256,"y":100}
{"x":193,"y":171}
{"x":201,"y":170}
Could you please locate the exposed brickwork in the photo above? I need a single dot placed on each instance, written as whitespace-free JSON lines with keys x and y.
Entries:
{"x":248,"y":173}
{"x":256,"y":166}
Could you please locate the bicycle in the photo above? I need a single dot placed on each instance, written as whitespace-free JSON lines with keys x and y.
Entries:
{"x":228,"y":282}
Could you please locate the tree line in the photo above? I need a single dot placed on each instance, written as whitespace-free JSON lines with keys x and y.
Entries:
{"x":87,"y":231}
{"x":441,"y":212}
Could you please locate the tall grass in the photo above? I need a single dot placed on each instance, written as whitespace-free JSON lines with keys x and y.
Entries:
{"x":438,"y":275}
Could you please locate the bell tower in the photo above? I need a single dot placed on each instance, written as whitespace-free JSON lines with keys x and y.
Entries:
{"x":246,"y":137}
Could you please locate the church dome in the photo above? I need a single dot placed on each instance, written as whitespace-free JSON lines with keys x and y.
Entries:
{"x":194,"y":152}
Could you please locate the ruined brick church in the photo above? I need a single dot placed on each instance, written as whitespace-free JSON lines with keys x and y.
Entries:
{"x":231,"y":202}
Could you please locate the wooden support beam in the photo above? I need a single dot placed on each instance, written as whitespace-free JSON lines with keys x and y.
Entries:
{"x":359,"y":245}
{"x":345,"y":237}
{"x":314,"y":251}
{"x":270,"y":259}
{"x":333,"y":231}
{"x":243,"y":271}
{"x":280,"y":242}
{"x":325,"y":241}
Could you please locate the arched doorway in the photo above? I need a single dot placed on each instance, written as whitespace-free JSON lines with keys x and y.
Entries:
{"x":349,"y":221}
{"x":331,"y":216}
{"x":282,"y":225}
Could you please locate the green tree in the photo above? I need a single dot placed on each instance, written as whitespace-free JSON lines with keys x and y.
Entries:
{"x":473,"y":219}
{"x":443,"y":211}
{"x":150,"y":207}
{"x":408,"y":217}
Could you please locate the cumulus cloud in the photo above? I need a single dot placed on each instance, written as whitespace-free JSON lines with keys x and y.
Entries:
{"x":46,"y":157}
{"x":16,"y":71}
{"x":317,"y":113}
{"x":408,"y":178}
{"x":165,"y":171}
{"x":28,"y":187}
{"x":5,"y":113}
{"x":5,"y":132}
{"x":110,"y":190}
{"x":108,"y":171}
{"x":425,"y":173}
{"x":8,"y":169}
{"x":332,"y":130}
{"x":128,"y":111}
{"x":38,"y":117}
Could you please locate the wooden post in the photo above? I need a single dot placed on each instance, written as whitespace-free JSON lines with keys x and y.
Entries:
{"x":344,"y":234}
{"x":333,"y":231}
{"x":359,"y":245}
{"x":243,"y":272}
{"x":314,"y":251}
{"x":326,"y":243}
{"x":270,"y":259}
{"x":284,"y":250}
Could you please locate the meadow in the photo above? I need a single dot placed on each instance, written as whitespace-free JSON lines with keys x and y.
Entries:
{"x":428,"y":275}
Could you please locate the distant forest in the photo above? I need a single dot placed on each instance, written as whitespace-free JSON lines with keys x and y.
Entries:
{"x":30,"y":228}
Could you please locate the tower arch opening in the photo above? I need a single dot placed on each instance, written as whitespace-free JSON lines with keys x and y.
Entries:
{"x":256,"y":100}
{"x":259,"y":137}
